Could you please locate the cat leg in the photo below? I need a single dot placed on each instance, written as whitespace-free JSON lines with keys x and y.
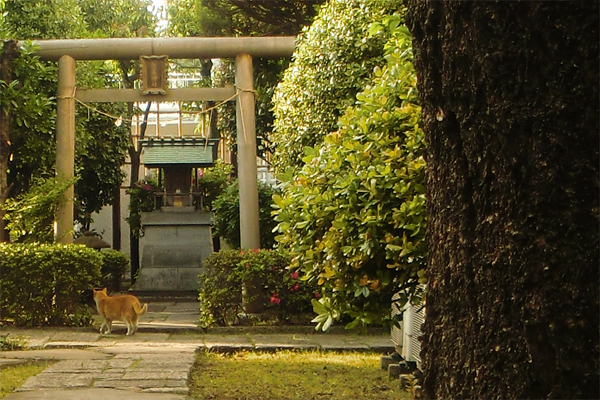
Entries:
{"x":129,"y":327}
{"x":134,"y":323}
{"x":108,"y":327}
{"x":102,"y":327}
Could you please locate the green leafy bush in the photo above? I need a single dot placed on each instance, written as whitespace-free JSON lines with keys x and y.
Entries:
{"x":227,"y":215}
{"x":220,"y":294}
{"x":213,"y":181}
{"x":283,"y":293}
{"x":332,"y":62}
{"x":141,"y":199}
{"x":115,"y":264}
{"x":43,"y":284}
{"x":354,"y":217}
{"x":30,"y":216}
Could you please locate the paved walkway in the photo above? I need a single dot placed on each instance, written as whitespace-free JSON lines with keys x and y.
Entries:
{"x":156,"y":361}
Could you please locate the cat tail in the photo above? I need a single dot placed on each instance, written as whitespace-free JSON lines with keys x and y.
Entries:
{"x":140,"y":310}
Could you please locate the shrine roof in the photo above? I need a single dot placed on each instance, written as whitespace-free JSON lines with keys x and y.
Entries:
{"x":164,"y":151}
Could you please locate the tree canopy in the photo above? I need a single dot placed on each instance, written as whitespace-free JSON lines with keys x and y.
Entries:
{"x":100,"y":144}
{"x":243,"y":18}
{"x":240,"y":18}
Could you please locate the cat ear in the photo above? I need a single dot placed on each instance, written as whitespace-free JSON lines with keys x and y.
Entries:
{"x":104,"y":290}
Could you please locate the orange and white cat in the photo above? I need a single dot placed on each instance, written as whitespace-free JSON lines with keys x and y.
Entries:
{"x":124,"y":307}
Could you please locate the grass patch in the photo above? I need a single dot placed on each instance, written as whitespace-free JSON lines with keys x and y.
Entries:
{"x":292,"y":375}
{"x":13,"y":376}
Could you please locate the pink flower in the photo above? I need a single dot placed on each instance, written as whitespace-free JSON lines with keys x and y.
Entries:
{"x":317,"y":295}
{"x":275,"y":298}
{"x":296,"y":286}
{"x":294,"y":275}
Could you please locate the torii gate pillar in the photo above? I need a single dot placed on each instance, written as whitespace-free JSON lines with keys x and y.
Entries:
{"x":246,"y":143}
{"x":65,"y":145}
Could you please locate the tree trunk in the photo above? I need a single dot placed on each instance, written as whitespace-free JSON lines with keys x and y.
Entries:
{"x":134,"y":241}
{"x":511,"y":113}
{"x":116,"y":219}
{"x":135,"y":155}
{"x":9,"y":52}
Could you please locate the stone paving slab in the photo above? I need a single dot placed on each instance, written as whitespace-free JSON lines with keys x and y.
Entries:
{"x":135,"y":371}
{"x":70,"y":336}
{"x":93,"y":394}
{"x":62,"y":354}
{"x":17,"y":357}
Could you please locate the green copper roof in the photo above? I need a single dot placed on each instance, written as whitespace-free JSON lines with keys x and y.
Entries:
{"x":160,"y":152}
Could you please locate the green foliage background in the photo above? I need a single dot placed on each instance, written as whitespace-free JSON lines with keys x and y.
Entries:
{"x":353,"y":218}
{"x":100,"y":144}
{"x":226,"y":210}
{"x":141,"y":199}
{"x":333,"y":61}
{"x":214,"y":182}
{"x":244,"y":18}
{"x":114,"y":265}
{"x":30,"y":216}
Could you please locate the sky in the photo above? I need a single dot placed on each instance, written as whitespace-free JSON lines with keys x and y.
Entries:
{"x":159,"y":5}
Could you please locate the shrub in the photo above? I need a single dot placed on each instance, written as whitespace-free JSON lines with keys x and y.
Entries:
{"x":141,"y":199}
{"x":332,"y":62}
{"x":220,"y":294}
{"x":354,"y":217}
{"x":43,"y":284}
{"x":213,"y":181}
{"x":227,"y":215}
{"x":283,"y":292}
{"x":29,"y":217}
{"x":115,"y":264}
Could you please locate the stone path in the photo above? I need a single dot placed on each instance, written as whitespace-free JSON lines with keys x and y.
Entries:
{"x":155,"y":363}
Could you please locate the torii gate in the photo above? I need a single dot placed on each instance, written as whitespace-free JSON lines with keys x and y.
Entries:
{"x":66,"y":52}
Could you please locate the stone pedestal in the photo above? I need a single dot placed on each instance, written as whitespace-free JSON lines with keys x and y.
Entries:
{"x":176,"y":242}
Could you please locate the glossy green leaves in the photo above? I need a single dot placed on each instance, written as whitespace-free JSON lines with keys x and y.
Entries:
{"x":354,"y":217}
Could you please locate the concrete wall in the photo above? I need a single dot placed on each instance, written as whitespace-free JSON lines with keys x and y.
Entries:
{"x":176,"y":242}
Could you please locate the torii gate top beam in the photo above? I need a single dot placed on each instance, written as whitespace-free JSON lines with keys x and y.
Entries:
{"x":176,"y":48}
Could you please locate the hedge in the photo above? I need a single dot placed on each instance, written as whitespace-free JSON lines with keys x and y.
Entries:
{"x":115,"y":265}
{"x":43,"y":284}
{"x":283,"y":293}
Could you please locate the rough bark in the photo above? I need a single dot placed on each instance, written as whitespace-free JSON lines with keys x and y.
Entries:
{"x":511,"y":113}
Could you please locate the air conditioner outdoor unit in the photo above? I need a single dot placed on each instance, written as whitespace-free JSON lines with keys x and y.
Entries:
{"x":406,"y":336}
